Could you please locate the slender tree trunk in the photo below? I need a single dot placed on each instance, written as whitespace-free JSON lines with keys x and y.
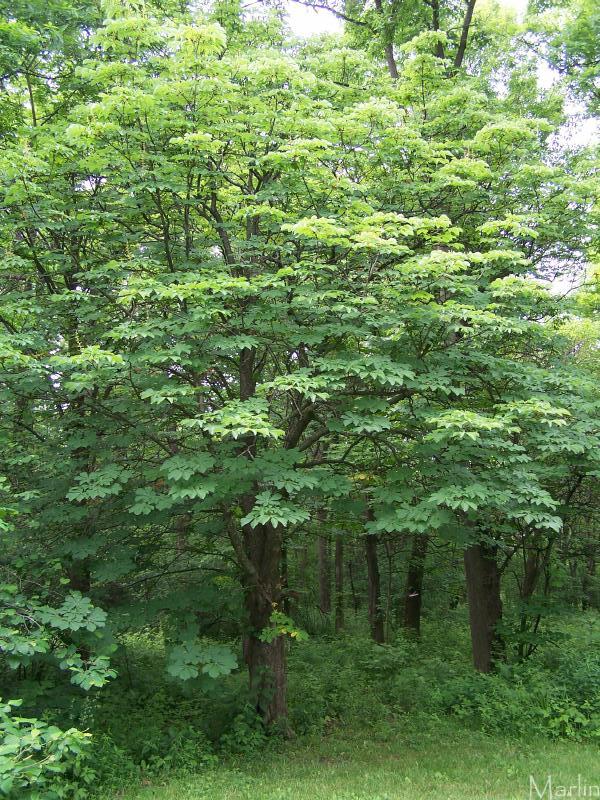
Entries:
{"x":435,"y":25}
{"x":303,"y":560}
{"x":588,"y":599}
{"x":391,"y":61}
{"x":80,"y":580}
{"x":389,"y":552}
{"x":413,"y":594}
{"x":324,"y":560}
{"x":485,"y":605}
{"x":79,"y":576}
{"x":374,"y":583}
{"x":464,"y":34}
{"x":388,"y":45}
{"x":355,"y":597}
{"x":285,"y":586}
{"x":531,"y":573}
{"x":339,"y":582}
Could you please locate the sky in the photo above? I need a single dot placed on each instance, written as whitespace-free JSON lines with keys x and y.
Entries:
{"x":305,"y":21}
{"x":308,"y":21}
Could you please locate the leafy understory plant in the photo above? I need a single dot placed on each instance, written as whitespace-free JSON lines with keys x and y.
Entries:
{"x":39,"y":761}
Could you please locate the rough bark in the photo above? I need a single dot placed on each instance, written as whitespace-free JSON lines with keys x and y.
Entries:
{"x":464,"y":34}
{"x":339,"y":582}
{"x":413,"y":594}
{"x":588,"y":580}
{"x":324,"y":561}
{"x":353,"y":592}
{"x":285,"y":584}
{"x":259,"y":554}
{"x":376,"y":620}
{"x":388,"y":46}
{"x":485,"y":605}
{"x":435,"y":25}
{"x":303,"y":562}
{"x":266,"y":661}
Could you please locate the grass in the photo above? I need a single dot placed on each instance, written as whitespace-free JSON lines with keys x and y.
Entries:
{"x":420,"y":759}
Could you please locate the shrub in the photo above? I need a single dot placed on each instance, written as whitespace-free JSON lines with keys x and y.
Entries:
{"x":40,"y":761}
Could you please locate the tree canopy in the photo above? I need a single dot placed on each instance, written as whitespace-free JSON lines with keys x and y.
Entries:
{"x":256,"y":290}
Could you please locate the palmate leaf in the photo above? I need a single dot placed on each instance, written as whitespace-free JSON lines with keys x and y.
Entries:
{"x":378,"y":369}
{"x":235,"y":419}
{"x":146,"y":501}
{"x":182,"y":467}
{"x":77,"y":612}
{"x":102,"y":482}
{"x":196,"y":490}
{"x":95,"y":672}
{"x":192,"y":658}
{"x":167,"y":394}
{"x":302,"y":381}
{"x":365,"y":423}
{"x":271,"y":509}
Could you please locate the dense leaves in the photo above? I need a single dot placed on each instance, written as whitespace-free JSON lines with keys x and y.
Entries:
{"x":256,"y":291}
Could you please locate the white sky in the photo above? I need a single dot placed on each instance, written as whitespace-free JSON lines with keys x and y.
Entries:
{"x":309,"y":21}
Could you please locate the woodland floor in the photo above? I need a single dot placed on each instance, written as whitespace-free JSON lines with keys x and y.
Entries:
{"x":445,"y":761}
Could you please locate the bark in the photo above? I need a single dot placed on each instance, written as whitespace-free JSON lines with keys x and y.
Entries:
{"x":413,"y":594}
{"x":464,"y":34}
{"x":531,"y":574}
{"x":355,"y":597}
{"x":485,"y":605}
{"x":303,"y":561}
{"x":339,"y":582}
{"x":435,"y":24}
{"x":526,"y":589}
{"x":266,"y":661}
{"x":80,"y":580}
{"x":78,"y":572}
{"x":324,"y":559}
{"x":376,"y":621}
{"x":389,"y":551}
{"x":259,"y":554}
{"x":388,"y":33}
{"x":391,"y":61}
{"x":285,"y":584}
{"x":588,"y":580}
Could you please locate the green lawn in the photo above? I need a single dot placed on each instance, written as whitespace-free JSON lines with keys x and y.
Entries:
{"x":443,"y":761}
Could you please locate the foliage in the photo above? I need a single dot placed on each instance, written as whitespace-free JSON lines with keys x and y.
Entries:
{"x":259,"y":292}
{"x":39,"y":761}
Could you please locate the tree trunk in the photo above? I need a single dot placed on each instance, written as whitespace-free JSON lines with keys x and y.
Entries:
{"x":526,"y":589}
{"x":435,"y":26}
{"x":588,"y":580}
{"x":464,"y":34}
{"x":355,"y":597}
{"x":388,"y":28}
{"x":78,"y":572}
{"x":265,"y":660}
{"x":303,"y":561}
{"x":485,"y":605}
{"x":259,"y":553}
{"x":374,"y":589}
{"x":324,"y":559}
{"x":339,"y":582}
{"x":413,"y":594}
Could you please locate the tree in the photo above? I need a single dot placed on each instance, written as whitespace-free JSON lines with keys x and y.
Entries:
{"x":247,"y":289}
